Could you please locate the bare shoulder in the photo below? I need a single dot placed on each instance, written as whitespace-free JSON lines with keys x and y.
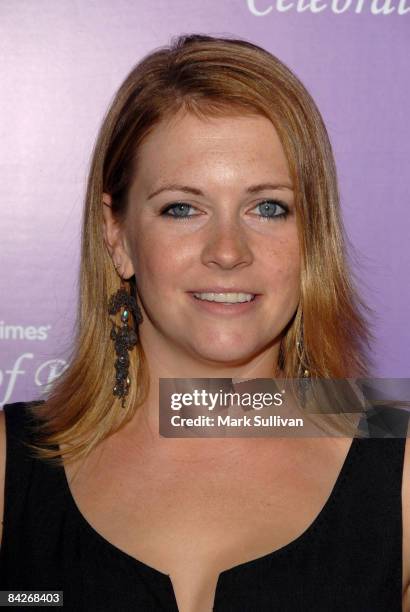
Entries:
{"x":406,"y":523}
{"x":2,"y":466}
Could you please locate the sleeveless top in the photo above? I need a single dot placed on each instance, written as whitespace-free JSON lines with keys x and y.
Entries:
{"x":349,"y":558}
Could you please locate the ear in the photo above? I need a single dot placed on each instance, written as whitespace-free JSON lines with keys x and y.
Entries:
{"x":115,"y":241}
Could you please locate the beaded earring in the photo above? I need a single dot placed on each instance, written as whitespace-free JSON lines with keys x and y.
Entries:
{"x":304,"y":383}
{"x":124,"y":336}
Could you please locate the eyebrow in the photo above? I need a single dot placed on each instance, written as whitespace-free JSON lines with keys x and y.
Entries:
{"x":198,"y":192}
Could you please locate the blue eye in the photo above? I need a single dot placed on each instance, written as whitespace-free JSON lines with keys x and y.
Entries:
{"x":270,"y":208}
{"x":180,"y":208}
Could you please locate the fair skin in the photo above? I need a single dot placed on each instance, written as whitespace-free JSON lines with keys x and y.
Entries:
{"x":225,"y":241}
{"x":228,"y":500}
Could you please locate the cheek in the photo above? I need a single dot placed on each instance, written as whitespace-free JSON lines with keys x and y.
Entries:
{"x":159,"y":262}
{"x":283,"y":269}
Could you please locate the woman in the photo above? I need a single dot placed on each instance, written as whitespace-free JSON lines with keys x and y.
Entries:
{"x":212,"y":180}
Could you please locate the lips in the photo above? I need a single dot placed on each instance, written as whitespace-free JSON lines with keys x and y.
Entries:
{"x":224,"y":290}
{"x":227,"y":309}
{"x":232,"y":298}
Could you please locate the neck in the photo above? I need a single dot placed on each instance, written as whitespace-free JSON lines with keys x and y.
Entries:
{"x":144,"y":427}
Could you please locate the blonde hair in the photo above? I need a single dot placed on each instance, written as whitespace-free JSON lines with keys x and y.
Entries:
{"x":207,"y":76}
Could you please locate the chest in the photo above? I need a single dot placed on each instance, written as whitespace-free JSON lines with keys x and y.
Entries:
{"x":193,"y":522}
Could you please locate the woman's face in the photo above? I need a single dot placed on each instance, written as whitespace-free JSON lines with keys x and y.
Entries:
{"x":211,"y":210}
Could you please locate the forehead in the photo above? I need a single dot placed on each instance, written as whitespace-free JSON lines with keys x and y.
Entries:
{"x":187,"y":143}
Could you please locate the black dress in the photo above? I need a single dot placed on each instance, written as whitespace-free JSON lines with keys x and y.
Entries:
{"x":349,"y":559}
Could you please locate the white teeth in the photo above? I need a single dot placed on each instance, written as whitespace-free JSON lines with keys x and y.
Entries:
{"x":231,"y":298}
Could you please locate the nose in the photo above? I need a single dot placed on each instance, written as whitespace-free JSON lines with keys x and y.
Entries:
{"x":227,"y":246}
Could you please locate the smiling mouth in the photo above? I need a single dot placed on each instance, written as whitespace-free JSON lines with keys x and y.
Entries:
{"x":221,"y":306}
{"x":225,"y":298}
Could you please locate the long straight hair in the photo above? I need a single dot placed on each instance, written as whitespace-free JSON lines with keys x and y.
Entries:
{"x":208,"y":76}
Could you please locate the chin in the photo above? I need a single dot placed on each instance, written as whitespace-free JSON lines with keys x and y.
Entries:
{"x":226,"y":355}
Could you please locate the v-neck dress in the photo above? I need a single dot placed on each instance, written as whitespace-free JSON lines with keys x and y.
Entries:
{"x":349,"y":558}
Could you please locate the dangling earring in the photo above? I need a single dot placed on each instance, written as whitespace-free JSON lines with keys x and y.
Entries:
{"x":124,"y":337}
{"x":304,"y":373}
{"x":300,"y":350}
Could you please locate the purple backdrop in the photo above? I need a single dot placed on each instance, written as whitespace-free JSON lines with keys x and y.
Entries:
{"x":62,"y":62}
